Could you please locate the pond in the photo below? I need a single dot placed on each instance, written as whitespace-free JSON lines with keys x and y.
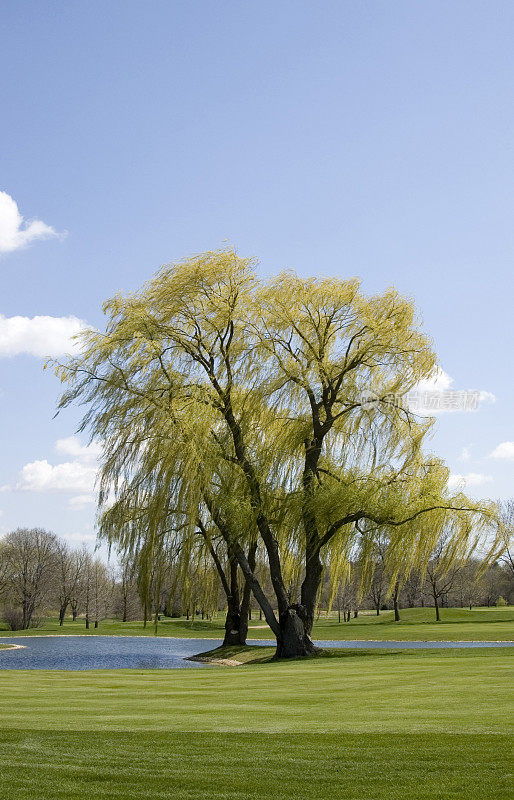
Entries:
{"x":145,"y":652}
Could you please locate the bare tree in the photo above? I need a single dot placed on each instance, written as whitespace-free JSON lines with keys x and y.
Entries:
{"x":507,"y":518}
{"x":101,"y":590}
{"x":378,"y":582}
{"x":4,"y":573}
{"x":412,"y":589}
{"x":30,"y":562}
{"x":442,"y":571}
{"x":127,"y":603}
{"x":70,"y":564}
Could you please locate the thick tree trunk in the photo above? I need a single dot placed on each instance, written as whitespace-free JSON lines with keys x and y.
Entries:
{"x":310,"y":585}
{"x":233,"y":619}
{"x":436,"y":604}
{"x":293,"y":639}
{"x":294,"y":624}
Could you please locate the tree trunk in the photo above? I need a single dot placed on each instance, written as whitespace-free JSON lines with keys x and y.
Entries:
{"x":246,"y":611}
{"x":25,"y":623}
{"x":236,"y":621}
{"x":395,"y":603}
{"x":293,"y":639}
{"x":87,"y":621}
{"x":310,"y":585}
{"x":290,"y":628}
{"x":62,"y":613}
{"x":233,"y":618}
{"x":378,"y":610}
{"x":436,"y":604}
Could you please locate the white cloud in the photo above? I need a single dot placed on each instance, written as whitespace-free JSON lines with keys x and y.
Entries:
{"x":440,"y":381}
{"x":77,"y":475}
{"x":504,"y":450}
{"x":72,"y":476}
{"x":15,"y":233}
{"x":81,"y":501}
{"x":456,"y":481}
{"x":38,"y":336}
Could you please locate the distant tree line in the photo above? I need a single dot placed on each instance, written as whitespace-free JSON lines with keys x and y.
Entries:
{"x":42,"y":575}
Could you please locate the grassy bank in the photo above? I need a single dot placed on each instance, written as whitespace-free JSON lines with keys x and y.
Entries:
{"x":493,"y":624}
{"x":390,"y":726}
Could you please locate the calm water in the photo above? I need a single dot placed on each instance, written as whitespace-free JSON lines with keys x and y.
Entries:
{"x":103,"y":652}
{"x":138,"y":652}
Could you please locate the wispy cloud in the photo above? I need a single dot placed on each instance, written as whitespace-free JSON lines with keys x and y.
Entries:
{"x":457,"y":481}
{"x":72,"y":446}
{"x":437,"y":395}
{"x":81,"y":501}
{"x":15,"y":232}
{"x":504,"y":450}
{"x":465,"y":454}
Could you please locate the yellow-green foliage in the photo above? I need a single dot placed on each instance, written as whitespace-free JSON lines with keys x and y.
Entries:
{"x":210,"y":379}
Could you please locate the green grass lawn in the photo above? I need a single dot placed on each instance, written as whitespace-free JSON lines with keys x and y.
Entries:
{"x":366,"y":726}
{"x":494,"y":624}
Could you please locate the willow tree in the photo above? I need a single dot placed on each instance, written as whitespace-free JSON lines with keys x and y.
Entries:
{"x":273,"y":380}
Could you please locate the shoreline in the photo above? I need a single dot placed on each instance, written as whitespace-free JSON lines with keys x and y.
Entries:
{"x":9,"y":635}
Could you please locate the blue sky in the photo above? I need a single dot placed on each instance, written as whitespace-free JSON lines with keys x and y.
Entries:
{"x":338,"y":138}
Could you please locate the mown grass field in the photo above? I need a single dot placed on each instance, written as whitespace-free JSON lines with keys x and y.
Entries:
{"x":397,"y":726}
{"x":457,"y":624}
